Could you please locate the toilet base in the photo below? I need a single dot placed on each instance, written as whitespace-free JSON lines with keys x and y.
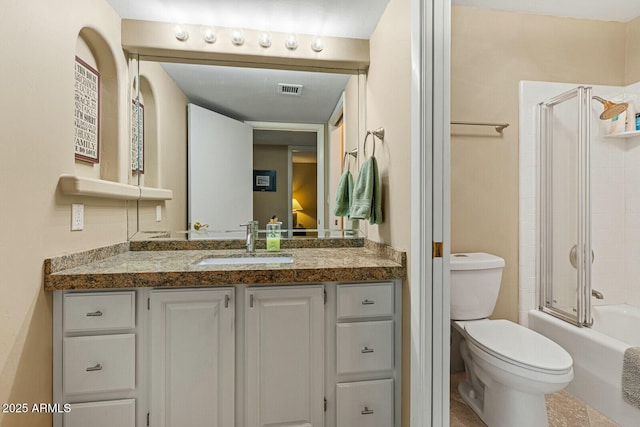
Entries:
{"x":503,"y":407}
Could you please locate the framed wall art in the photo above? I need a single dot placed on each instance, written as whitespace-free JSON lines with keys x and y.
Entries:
{"x":87,"y":112}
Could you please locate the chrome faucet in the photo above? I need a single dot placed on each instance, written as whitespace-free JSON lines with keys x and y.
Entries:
{"x":597,"y":294}
{"x":252,"y":234}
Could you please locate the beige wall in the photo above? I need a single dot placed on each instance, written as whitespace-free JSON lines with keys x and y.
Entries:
{"x":388,"y":105}
{"x":37,"y":105}
{"x":632,"y":73}
{"x":491,"y":52}
{"x":267,"y":203}
{"x":170,"y":162}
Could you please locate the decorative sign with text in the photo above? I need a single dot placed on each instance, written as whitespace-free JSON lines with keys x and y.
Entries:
{"x":87,"y":112}
{"x":137,"y":138}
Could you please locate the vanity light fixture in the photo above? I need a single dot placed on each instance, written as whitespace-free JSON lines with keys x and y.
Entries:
{"x":291,"y":42}
{"x":209,"y":35}
{"x":317,"y":45}
{"x":181,"y":33}
{"x":265,"y":40}
{"x":237,"y":37}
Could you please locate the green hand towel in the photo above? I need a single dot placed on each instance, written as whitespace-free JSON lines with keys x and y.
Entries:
{"x":367,"y":194}
{"x":344,"y":195}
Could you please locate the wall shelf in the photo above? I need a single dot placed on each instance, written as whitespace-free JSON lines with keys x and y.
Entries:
{"x":624,"y":135}
{"x":73,"y":185}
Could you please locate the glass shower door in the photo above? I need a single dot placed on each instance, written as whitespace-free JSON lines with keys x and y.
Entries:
{"x":564,"y":275}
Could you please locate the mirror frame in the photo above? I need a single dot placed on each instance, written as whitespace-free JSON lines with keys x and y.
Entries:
{"x":155,"y":41}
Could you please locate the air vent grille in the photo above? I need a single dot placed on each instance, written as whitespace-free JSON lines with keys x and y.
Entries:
{"x":289,"y":89}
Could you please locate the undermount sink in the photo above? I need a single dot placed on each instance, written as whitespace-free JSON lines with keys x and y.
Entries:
{"x":247,"y":259}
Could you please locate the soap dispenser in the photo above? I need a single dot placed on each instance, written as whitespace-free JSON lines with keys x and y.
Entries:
{"x":273,"y":234}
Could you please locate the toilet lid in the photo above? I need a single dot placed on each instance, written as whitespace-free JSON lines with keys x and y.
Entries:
{"x":518,"y":345}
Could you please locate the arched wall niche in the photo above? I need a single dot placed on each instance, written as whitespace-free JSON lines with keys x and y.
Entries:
{"x":151,"y":174}
{"x":95,"y":51}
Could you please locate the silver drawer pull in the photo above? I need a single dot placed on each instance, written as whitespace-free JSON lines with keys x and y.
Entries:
{"x":368,"y":302}
{"x":367,"y":411}
{"x":98,"y":367}
{"x":367,"y":350}
{"x":97,"y":313}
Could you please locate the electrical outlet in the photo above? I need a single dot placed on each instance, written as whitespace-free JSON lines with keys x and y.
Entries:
{"x":158,"y":213}
{"x":77,"y":217}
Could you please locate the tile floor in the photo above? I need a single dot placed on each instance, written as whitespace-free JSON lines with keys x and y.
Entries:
{"x":564,"y":410}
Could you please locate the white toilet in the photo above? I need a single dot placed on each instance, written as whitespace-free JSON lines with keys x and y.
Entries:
{"x":509,"y":367}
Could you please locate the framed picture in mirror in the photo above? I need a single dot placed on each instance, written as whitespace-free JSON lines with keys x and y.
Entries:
{"x":264,"y":180}
{"x":137,"y":137}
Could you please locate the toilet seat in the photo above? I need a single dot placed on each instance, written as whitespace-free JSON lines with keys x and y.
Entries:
{"x":517,"y":345}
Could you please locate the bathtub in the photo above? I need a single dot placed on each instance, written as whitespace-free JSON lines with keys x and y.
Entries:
{"x":597,"y":356}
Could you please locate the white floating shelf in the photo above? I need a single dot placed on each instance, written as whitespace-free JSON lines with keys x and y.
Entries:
{"x":148,"y":193}
{"x":73,"y":185}
{"x":629,"y":134}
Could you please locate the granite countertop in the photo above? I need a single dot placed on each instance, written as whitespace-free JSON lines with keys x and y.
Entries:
{"x":178,"y":268}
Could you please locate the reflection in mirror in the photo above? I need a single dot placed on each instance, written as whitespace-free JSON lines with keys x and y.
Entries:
{"x":236,"y":144}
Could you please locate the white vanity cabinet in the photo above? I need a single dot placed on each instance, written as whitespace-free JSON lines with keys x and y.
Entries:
{"x":284,"y":356}
{"x":96,"y":358}
{"x":192,"y":357}
{"x":305,"y":355}
{"x":364,"y":329}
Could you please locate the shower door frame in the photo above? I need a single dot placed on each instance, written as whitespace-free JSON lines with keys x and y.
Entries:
{"x":544,"y":259}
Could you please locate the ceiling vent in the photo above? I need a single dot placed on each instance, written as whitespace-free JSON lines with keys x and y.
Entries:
{"x":289,"y":89}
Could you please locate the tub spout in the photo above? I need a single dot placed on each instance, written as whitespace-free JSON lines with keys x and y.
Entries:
{"x":597,"y":294}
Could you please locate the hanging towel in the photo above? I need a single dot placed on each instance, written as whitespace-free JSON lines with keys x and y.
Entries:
{"x":367,"y":194}
{"x":344,"y":195}
{"x":631,"y":376}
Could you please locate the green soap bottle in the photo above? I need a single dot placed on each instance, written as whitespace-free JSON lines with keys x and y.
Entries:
{"x":273,"y":235}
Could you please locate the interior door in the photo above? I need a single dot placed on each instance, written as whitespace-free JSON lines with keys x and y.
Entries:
{"x":220,"y":170}
{"x":336,"y":150}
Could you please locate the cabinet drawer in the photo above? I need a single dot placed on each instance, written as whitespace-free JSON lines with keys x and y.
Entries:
{"x":356,"y":301}
{"x":365,"y":404}
{"x":364,"y":347}
{"x":99,"y":363}
{"x":114,"y":413}
{"x":103,"y":311}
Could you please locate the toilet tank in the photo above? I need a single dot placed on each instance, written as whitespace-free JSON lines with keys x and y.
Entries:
{"x":475,"y":283}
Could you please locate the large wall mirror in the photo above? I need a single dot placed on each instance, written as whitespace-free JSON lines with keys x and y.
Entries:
{"x":236,"y":143}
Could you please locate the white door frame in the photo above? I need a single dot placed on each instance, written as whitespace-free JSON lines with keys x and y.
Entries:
{"x":430,"y":212}
{"x":302,"y":127}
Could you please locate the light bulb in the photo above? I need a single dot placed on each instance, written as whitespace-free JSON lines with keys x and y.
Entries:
{"x":209,"y":35}
{"x":237,"y":37}
{"x":181,"y":33}
{"x":317,"y":44}
{"x":265,"y":40}
{"x":291,"y":43}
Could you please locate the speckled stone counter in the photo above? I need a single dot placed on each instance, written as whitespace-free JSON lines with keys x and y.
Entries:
{"x":124,"y":268}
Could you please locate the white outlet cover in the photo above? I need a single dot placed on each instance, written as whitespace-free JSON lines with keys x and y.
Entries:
{"x":77,"y":217}
{"x":158,"y":213}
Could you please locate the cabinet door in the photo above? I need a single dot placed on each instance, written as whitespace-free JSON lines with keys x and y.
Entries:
{"x":284,"y":357}
{"x":192,"y":358}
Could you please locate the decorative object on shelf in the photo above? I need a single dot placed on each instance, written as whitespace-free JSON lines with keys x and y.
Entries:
{"x":137,"y":137}
{"x":264,"y":180}
{"x":87,"y":112}
{"x":295,"y":207}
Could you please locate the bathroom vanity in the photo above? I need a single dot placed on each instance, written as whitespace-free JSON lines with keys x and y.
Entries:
{"x":152,"y":338}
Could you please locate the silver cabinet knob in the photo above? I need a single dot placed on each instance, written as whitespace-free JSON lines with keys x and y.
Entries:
{"x":96,"y":313}
{"x":367,"y":350}
{"x":368,"y":302}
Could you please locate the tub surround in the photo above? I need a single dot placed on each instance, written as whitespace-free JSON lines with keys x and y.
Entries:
{"x":121,"y":266}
